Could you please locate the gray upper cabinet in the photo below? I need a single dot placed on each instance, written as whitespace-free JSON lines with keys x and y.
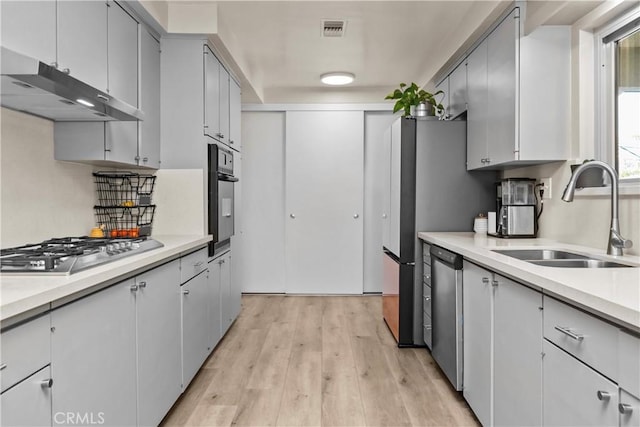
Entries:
{"x":211,"y":94}
{"x":458,"y":91}
{"x":82,"y":41}
{"x":29,"y":27}
{"x":122,"y":54}
{"x":223,"y":134}
{"x":518,"y":95}
{"x":477,"y":107}
{"x":149,"y":142}
{"x":235,"y":113}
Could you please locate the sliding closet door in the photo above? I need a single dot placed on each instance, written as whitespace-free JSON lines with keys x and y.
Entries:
{"x":324,"y":202}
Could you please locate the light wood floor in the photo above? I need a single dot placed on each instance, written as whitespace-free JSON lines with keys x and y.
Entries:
{"x":311,"y":361}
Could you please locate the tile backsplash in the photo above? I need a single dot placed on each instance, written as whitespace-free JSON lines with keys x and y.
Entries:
{"x":40,"y":197}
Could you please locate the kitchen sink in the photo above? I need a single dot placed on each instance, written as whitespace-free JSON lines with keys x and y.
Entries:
{"x":559,"y":259}
{"x":539,"y":254}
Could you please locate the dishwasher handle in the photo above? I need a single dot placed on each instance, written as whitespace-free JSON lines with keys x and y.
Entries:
{"x":449,"y":258}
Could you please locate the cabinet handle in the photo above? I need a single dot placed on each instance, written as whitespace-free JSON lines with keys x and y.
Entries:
{"x":185,"y":292}
{"x":384,"y":215}
{"x":292,"y":216}
{"x":145,"y":159}
{"x":104,"y":98}
{"x":494,"y":283}
{"x":142,"y":284}
{"x":569,"y":333}
{"x":66,"y":70}
{"x":427,"y":298}
{"x":48,"y":383}
{"x":219,"y":135}
{"x":54,"y":64}
{"x":3,"y":366}
{"x":134,"y":288}
{"x":603,"y":395}
{"x":356,"y":216}
{"x":428,"y":327}
{"x":231,"y":141}
{"x":485,"y":280}
{"x":198,"y":264}
{"x":625,"y":408}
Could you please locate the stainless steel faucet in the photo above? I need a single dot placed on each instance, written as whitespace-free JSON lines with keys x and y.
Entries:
{"x":616,"y":241}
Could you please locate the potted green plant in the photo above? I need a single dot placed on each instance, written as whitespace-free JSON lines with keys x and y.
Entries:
{"x":412,"y":96}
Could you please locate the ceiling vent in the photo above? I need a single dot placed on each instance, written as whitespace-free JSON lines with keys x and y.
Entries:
{"x":333,"y":28}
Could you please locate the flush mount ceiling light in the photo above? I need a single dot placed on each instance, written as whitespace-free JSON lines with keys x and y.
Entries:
{"x":337,"y":79}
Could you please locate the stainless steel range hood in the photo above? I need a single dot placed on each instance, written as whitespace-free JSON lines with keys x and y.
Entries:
{"x":36,"y":88}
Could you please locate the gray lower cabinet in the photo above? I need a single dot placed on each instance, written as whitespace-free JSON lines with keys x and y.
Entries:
{"x":229,"y":295}
{"x":93,"y":356}
{"x":477,"y":307}
{"x":629,"y":410}
{"x":575,"y":394}
{"x":158,"y":339}
{"x":195,"y":326}
{"x":28,"y":403}
{"x":517,"y":360}
{"x":502,"y":348}
{"x":215,"y":317}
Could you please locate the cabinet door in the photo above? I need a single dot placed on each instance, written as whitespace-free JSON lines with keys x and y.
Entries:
{"x":477,"y":307}
{"x":571,"y":389}
{"x":629,"y":410}
{"x":82,"y":41}
{"x":211,"y":94}
{"x":502,"y":126}
{"x":29,"y":27}
{"x":235,"y":113}
{"x":324,"y":188}
{"x":158,"y":343}
{"x":93,"y":356}
{"x":477,"y":107}
{"x":213,"y":282}
{"x":195,"y":326}
{"x":28,"y":403}
{"x":517,"y":354}
{"x":149,"y":144}
{"x":121,"y":142}
{"x":223,"y":133}
{"x":122,"y":56}
{"x":226,"y":310}
{"x":235,"y":294}
{"x":458,"y":91}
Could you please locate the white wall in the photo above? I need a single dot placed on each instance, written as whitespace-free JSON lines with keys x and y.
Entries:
{"x":178,"y":195}
{"x":40,"y":197}
{"x":375,"y":124}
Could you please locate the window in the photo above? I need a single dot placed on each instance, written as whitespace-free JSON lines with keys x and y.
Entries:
{"x":619,"y":91}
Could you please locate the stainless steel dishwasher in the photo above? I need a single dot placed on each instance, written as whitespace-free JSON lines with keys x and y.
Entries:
{"x":446,"y":306}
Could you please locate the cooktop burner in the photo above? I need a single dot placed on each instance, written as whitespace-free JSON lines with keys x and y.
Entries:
{"x":71,"y":254}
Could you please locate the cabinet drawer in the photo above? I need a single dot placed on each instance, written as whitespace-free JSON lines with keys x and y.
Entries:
{"x":628,"y":363}
{"x":25,"y":350}
{"x":426,"y":255}
{"x":192,"y":264}
{"x":426,"y":328}
{"x":426,"y":299}
{"x":629,"y":410}
{"x":28,"y":403}
{"x":588,"y":338}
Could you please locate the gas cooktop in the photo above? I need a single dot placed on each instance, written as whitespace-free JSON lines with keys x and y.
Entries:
{"x":69,"y":255}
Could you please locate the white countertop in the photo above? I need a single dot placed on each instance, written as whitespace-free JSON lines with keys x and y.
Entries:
{"x":26,"y":294}
{"x":612,"y":293}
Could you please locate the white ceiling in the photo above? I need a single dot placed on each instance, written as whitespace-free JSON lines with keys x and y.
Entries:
{"x":277,"y":50}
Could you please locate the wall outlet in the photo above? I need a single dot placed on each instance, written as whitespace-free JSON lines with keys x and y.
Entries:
{"x":546,"y":185}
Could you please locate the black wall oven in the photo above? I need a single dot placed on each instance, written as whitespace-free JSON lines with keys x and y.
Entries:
{"x":220,"y":197}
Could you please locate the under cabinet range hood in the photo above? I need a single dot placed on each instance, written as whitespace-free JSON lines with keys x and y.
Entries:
{"x":34,"y":87}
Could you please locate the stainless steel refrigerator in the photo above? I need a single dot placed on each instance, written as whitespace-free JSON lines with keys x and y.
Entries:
{"x":427,"y":188}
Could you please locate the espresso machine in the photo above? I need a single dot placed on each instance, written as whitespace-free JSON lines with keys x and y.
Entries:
{"x":516,"y":208}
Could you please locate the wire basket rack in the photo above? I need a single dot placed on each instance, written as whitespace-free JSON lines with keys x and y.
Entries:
{"x":131,"y":222}
{"x":124,"y":189}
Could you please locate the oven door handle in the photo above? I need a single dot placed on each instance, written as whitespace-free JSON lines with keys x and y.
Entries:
{"x":226,"y":177}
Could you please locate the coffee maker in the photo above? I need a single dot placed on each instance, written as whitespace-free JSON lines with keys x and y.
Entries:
{"x":516,"y":208}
